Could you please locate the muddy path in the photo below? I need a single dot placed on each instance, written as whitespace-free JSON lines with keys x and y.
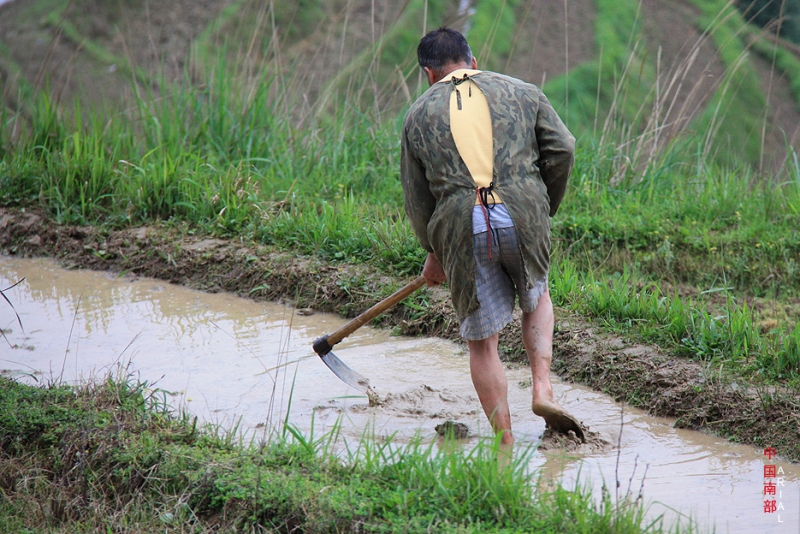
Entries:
{"x":640,"y":375}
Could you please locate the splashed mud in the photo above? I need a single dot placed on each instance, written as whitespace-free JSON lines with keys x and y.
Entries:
{"x":422,"y":401}
{"x":593,"y":441}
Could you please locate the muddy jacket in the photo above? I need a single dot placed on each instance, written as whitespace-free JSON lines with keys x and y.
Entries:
{"x":533,"y":156}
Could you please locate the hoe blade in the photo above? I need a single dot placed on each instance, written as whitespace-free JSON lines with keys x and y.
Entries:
{"x":347,"y":375}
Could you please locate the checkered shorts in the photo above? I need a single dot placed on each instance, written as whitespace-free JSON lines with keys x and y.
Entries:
{"x":499,"y":280}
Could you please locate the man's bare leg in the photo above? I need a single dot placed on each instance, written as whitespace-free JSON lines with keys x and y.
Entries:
{"x":537,"y":336}
{"x":489,"y":379}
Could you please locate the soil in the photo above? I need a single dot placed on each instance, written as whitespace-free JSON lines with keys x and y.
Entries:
{"x":453,"y":429}
{"x":549,"y":39}
{"x":690,"y":69}
{"x":156,"y":37}
{"x":47,"y":59}
{"x":641,"y":375}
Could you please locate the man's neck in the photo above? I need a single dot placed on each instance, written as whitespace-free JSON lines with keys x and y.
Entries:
{"x":450,"y":69}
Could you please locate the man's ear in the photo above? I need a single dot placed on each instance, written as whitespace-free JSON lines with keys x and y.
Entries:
{"x":429,"y":72}
{"x":474,"y":63}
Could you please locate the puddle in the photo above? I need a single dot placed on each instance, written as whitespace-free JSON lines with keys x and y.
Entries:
{"x":234,"y":362}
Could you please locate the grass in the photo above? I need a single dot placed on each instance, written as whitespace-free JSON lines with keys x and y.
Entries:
{"x":487,"y":34}
{"x":614,"y":88}
{"x":727,"y":338}
{"x":109,"y":456}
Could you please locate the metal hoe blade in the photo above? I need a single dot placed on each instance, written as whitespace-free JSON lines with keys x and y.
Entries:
{"x":324,"y":345}
{"x":347,"y":375}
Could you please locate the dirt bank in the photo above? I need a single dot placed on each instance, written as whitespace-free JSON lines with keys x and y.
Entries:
{"x":639,"y":374}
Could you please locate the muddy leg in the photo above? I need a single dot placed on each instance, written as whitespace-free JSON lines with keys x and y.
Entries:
{"x":537,"y":336}
{"x":489,"y":379}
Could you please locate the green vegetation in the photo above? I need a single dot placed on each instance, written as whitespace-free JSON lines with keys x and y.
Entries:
{"x":615,"y":100}
{"x":606,"y":97}
{"x":487,"y":34}
{"x":785,"y":61}
{"x":738,"y":133}
{"x":695,"y":227}
{"x":233,"y":164}
{"x":109,"y":456}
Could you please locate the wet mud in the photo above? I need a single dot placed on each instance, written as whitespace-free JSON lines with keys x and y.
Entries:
{"x":637,"y":374}
{"x":592,"y":442}
{"x":423,"y":401}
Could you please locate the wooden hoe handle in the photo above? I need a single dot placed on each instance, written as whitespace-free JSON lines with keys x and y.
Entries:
{"x":327,"y":342}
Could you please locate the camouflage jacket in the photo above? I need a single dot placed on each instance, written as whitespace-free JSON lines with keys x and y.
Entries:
{"x":533,"y":157}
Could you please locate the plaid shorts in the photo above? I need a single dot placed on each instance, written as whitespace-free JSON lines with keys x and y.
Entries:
{"x":499,"y":280}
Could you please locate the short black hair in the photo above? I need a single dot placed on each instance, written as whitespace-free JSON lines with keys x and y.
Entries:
{"x":443,"y":47}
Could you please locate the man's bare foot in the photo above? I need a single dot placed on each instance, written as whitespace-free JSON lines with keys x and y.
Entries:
{"x":558,"y":418}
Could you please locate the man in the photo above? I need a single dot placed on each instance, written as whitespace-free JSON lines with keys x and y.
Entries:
{"x":485,"y":162}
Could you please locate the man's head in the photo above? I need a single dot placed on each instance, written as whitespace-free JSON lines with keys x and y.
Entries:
{"x":442,"y":51}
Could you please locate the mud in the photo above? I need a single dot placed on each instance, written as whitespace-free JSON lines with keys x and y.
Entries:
{"x":423,"y":401}
{"x":453,"y":429}
{"x":593,"y":442}
{"x":640,"y":375}
{"x":697,"y":397}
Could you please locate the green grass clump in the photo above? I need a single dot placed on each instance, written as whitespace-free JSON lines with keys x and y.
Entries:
{"x":725,"y":338}
{"x":685,"y":222}
{"x":605,"y":97}
{"x":109,"y":456}
{"x":489,"y":40}
{"x":786,"y":61}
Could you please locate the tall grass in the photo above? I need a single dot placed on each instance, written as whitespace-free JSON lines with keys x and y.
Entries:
{"x":687,"y":222}
{"x":604,"y":97}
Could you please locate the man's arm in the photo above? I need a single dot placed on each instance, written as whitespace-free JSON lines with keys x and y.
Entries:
{"x":419,"y":201}
{"x":556,"y":152}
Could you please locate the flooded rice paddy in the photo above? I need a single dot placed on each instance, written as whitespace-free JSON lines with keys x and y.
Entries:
{"x":244,"y":365}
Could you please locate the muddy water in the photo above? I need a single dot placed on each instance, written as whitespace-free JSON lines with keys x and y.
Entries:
{"x":236,"y":363}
